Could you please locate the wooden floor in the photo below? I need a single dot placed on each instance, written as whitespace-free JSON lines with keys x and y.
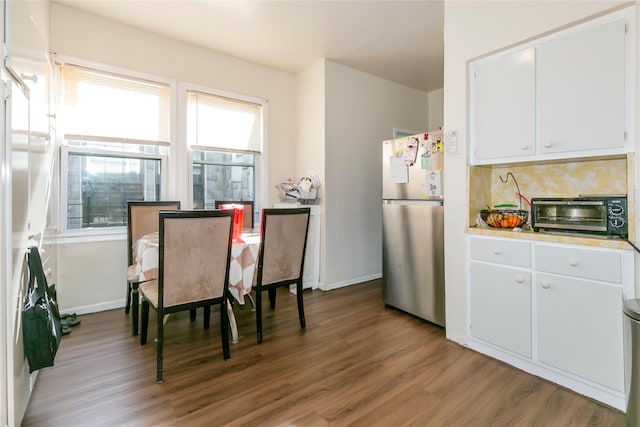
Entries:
{"x":356,"y":363}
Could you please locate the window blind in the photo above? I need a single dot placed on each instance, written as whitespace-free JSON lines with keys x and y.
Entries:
{"x":108,"y":107}
{"x":225,"y":124}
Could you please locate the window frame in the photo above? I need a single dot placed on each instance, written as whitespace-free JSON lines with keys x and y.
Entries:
{"x":65,"y":149}
{"x":206,"y":163}
{"x":260,"y":159}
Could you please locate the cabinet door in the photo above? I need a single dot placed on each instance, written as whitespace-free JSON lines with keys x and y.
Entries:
{"x":581,"y":90}
{"x":579,"y":328}
{"x":504,"y":105}
{"x":501,"y":306}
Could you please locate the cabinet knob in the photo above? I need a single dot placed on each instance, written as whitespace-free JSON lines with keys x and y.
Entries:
{"x":525,"y":147}
{"x":548,"y":144}
{"x":519,"y":279}
{"x":573,"y":263}
{"x":545,"y":285}
{"x":497,"y":251}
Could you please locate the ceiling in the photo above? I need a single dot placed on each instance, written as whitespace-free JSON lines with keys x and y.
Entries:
{"x":401,"y":41}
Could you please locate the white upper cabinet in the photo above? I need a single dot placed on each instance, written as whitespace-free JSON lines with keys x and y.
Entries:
{"x":562,"y":97}
{"x":581,"y":90}
{"x":505,"y":105}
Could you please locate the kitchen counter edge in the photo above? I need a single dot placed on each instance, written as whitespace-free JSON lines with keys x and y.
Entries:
{"x":599,"y":242}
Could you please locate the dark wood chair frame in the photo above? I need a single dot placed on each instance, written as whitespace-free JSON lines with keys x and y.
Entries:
{"x":258,"y":287}
{"x":133,"y":299}
{"x":161,"y":311}
{"x":248,"y":219}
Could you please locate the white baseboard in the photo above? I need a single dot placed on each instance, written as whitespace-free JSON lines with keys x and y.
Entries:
{"x":94,"y":308}
{"x":110,"y":305}
{"x":355,"y":281}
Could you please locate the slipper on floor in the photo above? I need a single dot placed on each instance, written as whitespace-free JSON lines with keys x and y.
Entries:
{"x":65,"y":329}
{"x":70,"y":319}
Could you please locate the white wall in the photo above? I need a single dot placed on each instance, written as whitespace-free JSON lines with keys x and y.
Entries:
{"x":311,"y":135}
{"x":361,"y":111}
{"x":89,"y":37}
{"x":79,"y":35}
{"x":436,"y":101}
{"x":472,"y":29}
{"x":311,"y":119}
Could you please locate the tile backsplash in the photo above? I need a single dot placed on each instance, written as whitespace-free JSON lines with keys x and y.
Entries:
{"x":569,"y":179}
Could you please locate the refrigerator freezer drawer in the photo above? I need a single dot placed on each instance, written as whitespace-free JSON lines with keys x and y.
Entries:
{"x":413,"y":258}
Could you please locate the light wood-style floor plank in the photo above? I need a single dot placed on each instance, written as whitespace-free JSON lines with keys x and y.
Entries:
{"x":356,"y":364}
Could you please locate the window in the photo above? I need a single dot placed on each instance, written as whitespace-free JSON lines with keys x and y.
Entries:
{"x":219,"y":175}
{"x":116,"y":137}
{"x":225,"y":137}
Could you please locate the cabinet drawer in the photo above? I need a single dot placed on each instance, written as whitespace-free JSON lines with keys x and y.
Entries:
{"x":508,"y":252}
{"x":584,"y":263}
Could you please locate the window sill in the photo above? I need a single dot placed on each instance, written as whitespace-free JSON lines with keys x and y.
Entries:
{"x":92,"y":236}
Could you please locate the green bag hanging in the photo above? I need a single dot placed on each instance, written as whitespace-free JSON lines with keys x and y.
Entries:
{"x":41,"y":328}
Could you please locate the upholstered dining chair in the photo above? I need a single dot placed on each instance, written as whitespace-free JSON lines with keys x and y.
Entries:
{"x":193,"y":271}
{"x":283,"y":238}
{"x":142,"y":218}
{"x":248,"y":210}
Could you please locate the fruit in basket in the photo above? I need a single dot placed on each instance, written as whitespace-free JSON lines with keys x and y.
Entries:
{"x":494,"y":218}
{"x":504,"y":218}
{"x":513,"y":221}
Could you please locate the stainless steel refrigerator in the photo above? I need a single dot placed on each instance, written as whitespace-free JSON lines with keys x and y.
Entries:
{"x":413,"y":225}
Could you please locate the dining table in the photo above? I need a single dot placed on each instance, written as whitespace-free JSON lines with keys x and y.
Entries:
{"x":242,"y":266}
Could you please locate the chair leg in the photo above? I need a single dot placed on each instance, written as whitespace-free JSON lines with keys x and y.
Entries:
{"x":207,"y":316}
{"x":253,"y":303}
{"x":135,"y":306}
{"x":224,"y":329}
{"x":272,"y":297}
{"x":303,"y":323}
{"x":127,"y":303}
{"x":159,"y":347}
{"x":145,"y":322}
{"x":233,"y":325}
{"x":259,"y":316}
{"x":192,"y":314}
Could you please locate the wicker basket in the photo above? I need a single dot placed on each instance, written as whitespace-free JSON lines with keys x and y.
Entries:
{"x":504,"y":218}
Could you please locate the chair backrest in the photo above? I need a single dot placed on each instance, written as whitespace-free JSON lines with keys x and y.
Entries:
{"x":248,"y":210}
{"x":142,"y":218}
{"x":282,"y":245}
{"x":195,"y":250}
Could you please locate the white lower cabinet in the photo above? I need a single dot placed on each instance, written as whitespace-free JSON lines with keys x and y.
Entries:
{"x":580,"y":328}
{"x":552,"y":309}
{"x":501,"y":306}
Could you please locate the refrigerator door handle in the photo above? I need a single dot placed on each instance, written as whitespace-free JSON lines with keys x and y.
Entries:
{"x":412,"y":202}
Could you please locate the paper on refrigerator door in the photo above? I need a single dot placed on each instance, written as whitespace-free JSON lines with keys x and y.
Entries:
{"x":434,"y":187}
{"x":411,"y":152}
{"x":399,"y":171}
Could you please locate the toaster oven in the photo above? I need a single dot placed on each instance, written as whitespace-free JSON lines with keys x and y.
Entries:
{"x":600,"y":215}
